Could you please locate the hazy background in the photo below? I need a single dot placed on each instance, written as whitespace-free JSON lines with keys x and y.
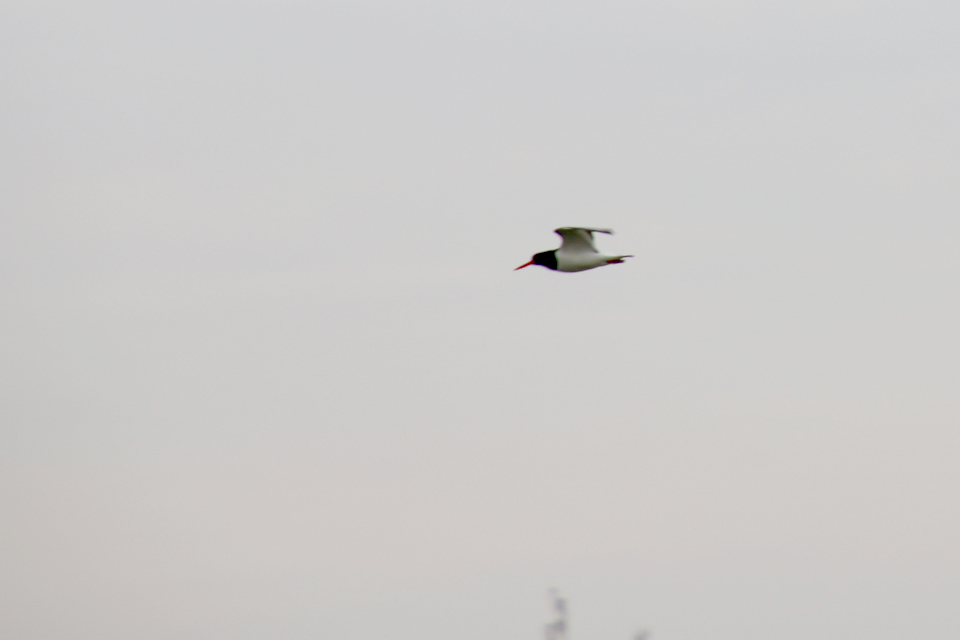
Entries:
{"x":267,"y":371}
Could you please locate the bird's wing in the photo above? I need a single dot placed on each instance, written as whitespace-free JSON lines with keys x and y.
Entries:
{"x":579,"y":239}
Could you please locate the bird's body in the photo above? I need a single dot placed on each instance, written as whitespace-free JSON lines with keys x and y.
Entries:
{"x":577,"y":252}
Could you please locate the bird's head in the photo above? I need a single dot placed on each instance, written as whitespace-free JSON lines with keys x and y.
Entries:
{"x":546,"y":259}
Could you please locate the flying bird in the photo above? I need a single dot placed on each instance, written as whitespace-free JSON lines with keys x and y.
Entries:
{"x":576,"y":253}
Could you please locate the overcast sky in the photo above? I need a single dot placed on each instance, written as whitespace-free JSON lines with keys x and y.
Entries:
{"x":266,"y":370}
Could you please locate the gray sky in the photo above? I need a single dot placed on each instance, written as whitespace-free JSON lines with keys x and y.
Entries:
{"x":267,"y":371}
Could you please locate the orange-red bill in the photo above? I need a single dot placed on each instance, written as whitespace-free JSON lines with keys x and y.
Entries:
{"x":524,"y":265}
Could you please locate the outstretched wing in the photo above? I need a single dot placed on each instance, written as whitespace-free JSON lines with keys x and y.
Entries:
{"x":579,"y":239}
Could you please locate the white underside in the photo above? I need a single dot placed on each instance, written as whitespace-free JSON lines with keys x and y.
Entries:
{"x":581,"y":261}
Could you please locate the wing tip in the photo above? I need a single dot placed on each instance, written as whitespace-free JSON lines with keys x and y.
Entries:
{"x":560,"y":230}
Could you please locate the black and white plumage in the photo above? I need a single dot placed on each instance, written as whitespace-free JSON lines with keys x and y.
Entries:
{"x":577,"y":252}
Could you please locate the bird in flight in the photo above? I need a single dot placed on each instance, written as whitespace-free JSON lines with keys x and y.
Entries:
{"x":577,"y":252}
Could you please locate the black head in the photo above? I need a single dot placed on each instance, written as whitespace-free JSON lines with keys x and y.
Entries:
{"x":546,"y":259}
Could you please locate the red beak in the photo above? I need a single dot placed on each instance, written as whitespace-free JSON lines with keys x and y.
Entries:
{"x":524,"y":265}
